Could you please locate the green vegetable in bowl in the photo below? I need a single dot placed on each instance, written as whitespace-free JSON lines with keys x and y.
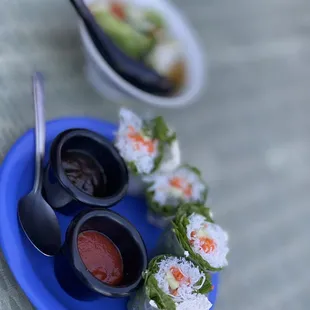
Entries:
{"x":145,"y":21}
{"x":141,"y":34}
{"x":154,"y":18}
{"x":130,"y":41}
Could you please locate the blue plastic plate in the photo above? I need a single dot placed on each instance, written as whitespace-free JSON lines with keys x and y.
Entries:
{"x":33,"y":271}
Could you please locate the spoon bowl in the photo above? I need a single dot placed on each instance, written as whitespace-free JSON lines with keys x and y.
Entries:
{"x":43,"y":220}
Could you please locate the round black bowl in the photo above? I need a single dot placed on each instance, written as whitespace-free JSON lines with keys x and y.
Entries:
{"x":70,"y":270}
{"x":60,"y":191}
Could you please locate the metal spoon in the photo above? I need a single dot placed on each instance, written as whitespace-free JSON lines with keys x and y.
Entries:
{"x":36,"y":216}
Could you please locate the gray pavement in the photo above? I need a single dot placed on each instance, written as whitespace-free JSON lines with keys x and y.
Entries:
{"x":250,"y":133}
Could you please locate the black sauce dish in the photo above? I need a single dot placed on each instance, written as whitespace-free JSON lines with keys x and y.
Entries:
{"x":73,"y":275}
{"x":84,"y":167}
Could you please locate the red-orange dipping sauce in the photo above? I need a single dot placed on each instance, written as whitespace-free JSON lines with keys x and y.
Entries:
{"x":101,"y":257}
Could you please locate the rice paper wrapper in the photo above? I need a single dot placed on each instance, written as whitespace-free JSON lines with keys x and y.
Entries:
{"x":136,"y":186}
{"x":169,"y":244}
{"x":158,"y":220}
{"x":139,"y":301}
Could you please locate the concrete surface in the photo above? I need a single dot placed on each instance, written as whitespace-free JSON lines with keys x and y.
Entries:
{"x":250,"y":133}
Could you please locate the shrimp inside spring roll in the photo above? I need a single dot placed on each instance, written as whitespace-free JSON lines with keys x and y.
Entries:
{"x":208,"y":240}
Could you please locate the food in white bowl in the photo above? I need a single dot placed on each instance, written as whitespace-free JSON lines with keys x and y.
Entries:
{"x":141,"y":33}
{"x":183,"y":61}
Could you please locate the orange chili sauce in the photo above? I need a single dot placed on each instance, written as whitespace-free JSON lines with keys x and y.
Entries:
{"x":101,"y":257}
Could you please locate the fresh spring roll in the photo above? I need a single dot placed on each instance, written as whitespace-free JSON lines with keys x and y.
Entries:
{"x":194,"y":234}
{"x":168,"y":190}
{"x":147,"y":146}
{"x":172,"y":283}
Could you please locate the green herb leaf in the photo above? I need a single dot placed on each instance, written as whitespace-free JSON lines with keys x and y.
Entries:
{"x":153,"y":292}
{"x":187,"y":209}
{"x":157,"y":129}
{"x":161,"y":130}
{"x":132,"y":167}
{"x":207,"y":285}
{"x":193,"y":169}
{"x":165,"y":211}
{"x":162,"y":300}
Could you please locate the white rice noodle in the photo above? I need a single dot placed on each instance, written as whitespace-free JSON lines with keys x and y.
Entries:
{"x":216,"y":257}
{"x":185,"y":291}
{"x":201,"y":302}
{"x":166,"y":194}
{"x":142,"y":158}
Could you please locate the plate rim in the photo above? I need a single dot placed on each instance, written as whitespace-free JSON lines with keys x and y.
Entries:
{"x":46,"y":297}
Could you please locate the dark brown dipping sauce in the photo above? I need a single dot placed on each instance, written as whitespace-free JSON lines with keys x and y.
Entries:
{"x":84,"y":172}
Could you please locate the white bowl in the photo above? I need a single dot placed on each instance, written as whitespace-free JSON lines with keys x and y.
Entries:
{"x":112,"y":86}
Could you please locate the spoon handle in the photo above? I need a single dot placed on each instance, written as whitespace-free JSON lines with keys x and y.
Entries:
{"x":38,"y":98}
